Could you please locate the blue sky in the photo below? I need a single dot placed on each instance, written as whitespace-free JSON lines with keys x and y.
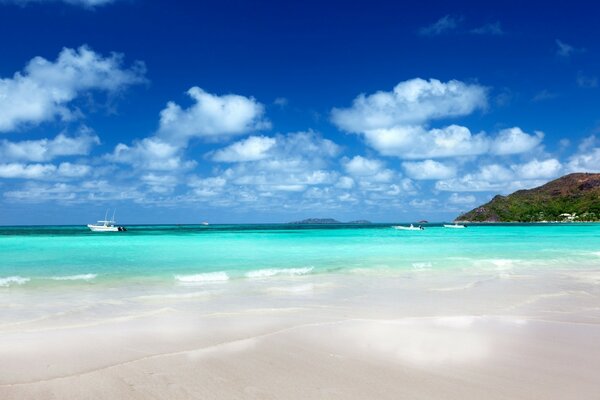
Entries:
{"x":236,"y":111}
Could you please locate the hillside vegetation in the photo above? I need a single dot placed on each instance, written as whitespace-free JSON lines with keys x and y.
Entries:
{"x":573,"y":197}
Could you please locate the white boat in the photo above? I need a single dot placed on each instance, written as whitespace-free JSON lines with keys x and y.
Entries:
{"x":106,"y":225}
{"x":409,"y":228}
{"x":454,"y":226}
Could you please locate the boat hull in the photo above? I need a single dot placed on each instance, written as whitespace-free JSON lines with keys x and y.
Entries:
{"x":454,"y":226}
{"x":408,"y":228}
{"x":100,"y":228}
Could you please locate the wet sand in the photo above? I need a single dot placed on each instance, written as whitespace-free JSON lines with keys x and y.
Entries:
{"x":426,"y":334}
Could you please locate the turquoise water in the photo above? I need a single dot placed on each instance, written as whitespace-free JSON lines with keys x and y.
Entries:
{"x":32,"y":256}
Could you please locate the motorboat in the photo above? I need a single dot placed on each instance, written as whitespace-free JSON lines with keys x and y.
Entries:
{"x":454,"y":226}
{"x":106,"y":225}
{"x":409,"y":228}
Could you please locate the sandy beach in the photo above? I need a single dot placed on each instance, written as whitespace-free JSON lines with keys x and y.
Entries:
{"x":412,"y":334}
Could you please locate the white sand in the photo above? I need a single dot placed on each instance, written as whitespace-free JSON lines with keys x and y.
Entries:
{"x":413,"y":335}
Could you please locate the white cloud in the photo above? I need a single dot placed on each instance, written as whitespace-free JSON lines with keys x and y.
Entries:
{"x":396,"y":123}
{"x":412,"y":102}
{"x":294,"y":162}
{"x":251,"y":149}
{"x":429,"y":169}
{"x":150,"y":153}
{"x":458,"y":199}
{"x":84,"y":192}
{"x":361,"y":166}
{"x":44,"y":90}
{"x":504,"y":179}
{"x":535,"y":169}
{"x":43,"y":171}
{"x":159,"y":183}
{"x":415,"y":142}
{"x":515,"y":141}
{"x":445,"y":24}
{"x":48,"y":149}
{"x":368,"y":170}
{"x":211,"y":116}
{"x":587,"y":159}
{"x":345,"y":182}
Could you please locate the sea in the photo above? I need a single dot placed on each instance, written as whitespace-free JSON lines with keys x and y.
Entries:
{"x":34,"y":257}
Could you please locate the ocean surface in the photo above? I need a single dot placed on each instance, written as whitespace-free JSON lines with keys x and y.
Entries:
{"x":57,"y":256}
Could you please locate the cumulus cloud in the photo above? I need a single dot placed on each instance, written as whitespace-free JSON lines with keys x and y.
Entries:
{"x":429,"y":169}
{"x":504,"y":178}
{"x":48,"y":149}
{"x":150,"y":153}
{"x":416,"y":142}
{"x":211,"y":117}
{"x":410,"y":103}
{"x":445,"y":24}
{"x":458,"y":199}
{"x":535,"y":169}
{"x":369,"y":170}
{"x":515,"y":141}
{"x":44,"y":90}
{"x":43,"y":171}
{"x":251,"y":149}
{"x":396,"y":123}
{"x":83,"y":192}
{"x":587,"y":157}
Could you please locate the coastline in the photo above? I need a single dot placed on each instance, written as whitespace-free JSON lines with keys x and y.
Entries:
{"x":421,"y":334}
{"x":296,"y":313}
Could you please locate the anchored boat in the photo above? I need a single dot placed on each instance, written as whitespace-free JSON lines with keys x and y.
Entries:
{"x":454,"y":226}
{"x":106,"y":225}
{"x":409,"y":228}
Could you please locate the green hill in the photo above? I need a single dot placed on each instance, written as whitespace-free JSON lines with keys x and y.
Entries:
{"x":573,"y":197}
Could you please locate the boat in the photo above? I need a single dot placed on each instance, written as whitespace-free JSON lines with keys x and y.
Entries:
{"x":455,"y":226}
{"x":409,"y":228}
{"x":204,"y":223}
{"x":106,"y":225}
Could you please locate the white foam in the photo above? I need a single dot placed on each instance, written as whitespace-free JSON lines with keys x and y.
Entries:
{"x":421,"y":265}
{"x":202,"y":278}
{"x":81,"y":277}
{"x":503,"y":263}
{"x":13,"y":280}
{"x":265,"y":273}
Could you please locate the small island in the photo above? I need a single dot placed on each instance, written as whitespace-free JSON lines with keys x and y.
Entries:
{"x":571,"y":198}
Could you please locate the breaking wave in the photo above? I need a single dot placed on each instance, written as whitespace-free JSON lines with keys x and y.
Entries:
{"x":13,"y":280}
{"x":265,"y":273}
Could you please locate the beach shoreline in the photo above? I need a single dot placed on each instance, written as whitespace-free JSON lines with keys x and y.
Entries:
{"x":413,"y":334}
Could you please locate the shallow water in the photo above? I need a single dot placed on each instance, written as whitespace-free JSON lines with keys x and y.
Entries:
{"x":32,"y":257}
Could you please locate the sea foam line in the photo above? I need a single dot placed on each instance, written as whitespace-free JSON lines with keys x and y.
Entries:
{"x":265,"y":273}
{"x":205,"y":277}
{"x":81,"y":277}
{"x":13,"y":280}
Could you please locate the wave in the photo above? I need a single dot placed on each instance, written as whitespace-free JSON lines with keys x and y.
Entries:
{"x":13,"y":280}
{"x":205,"y":277}
{"x":81,"y":277}
{"x":265,"y":273}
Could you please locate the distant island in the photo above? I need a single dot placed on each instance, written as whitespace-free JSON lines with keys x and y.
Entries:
{"x":571,"y":198}
{"x":324,"y":221}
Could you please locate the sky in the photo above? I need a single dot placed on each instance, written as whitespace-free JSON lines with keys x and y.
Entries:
{"x":270,"y":111}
